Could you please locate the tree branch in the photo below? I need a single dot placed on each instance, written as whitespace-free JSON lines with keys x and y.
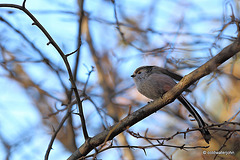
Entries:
{"x":64,"y":57}
{"x":149,"y":109}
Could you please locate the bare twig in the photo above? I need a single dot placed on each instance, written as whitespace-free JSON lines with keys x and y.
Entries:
{"x":56,"y":132}
{"x":228,"y":136}
{"x":156,"y":146}
{"x":182,"y":147}
{"x":147,"y":110}
{"x":119,"y":29}
{"x":210,"y":127}
{"x":79,"y":43}
{"x":85,"y":85}
{"x":64,"y":57}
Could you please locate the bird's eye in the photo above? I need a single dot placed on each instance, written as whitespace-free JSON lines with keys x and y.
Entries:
{"x":139,"y":72}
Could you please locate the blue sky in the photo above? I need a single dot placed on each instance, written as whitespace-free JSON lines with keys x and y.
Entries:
{"x":19,"y":113}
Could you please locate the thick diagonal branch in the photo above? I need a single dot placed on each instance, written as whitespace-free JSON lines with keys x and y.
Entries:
{"x":149,"y":109}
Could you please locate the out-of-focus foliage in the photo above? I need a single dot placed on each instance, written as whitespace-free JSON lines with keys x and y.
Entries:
{"x":115,"y":39}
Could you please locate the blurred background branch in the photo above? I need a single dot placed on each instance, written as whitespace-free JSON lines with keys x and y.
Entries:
{"x":37,"y":100}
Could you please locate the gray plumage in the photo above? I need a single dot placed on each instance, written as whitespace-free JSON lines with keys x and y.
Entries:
{"x":153,"y":82}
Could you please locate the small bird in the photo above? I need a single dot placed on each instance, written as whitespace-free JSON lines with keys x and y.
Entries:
{"x":153,"y":82}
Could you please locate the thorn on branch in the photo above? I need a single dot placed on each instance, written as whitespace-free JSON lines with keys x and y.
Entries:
{"x":49,"y":43}
{"x":228,"y":136}
{"x":69,"y":54}
{"x":162,"y":143}
{"x":53,"y":129}
{"x":182,"y":147}
{"x":145,"y":134}
{"x":77,"y":114}
{"x":129,"y":110}
{"x":111,"y":144}
{"x":144,"y":151}
{"x":45,"y":60}
{"x":24,"y":3}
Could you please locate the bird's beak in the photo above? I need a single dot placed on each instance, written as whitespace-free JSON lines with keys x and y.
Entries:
{"x":133,"y":76}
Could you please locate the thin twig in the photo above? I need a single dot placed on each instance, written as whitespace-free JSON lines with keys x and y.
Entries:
{"x":119,"y":29}
{"x":79,"y":43}
{"x":156,"y":146}
{"x":182,"y":147}
{"x":85,"y":85}
{"x":56,"y":132}
{"x":64,"y":58}
{"x":228,"y":136}
{"x":151,"y":108}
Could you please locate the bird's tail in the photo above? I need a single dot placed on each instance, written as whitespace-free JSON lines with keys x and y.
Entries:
{"x":204,"y":131}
